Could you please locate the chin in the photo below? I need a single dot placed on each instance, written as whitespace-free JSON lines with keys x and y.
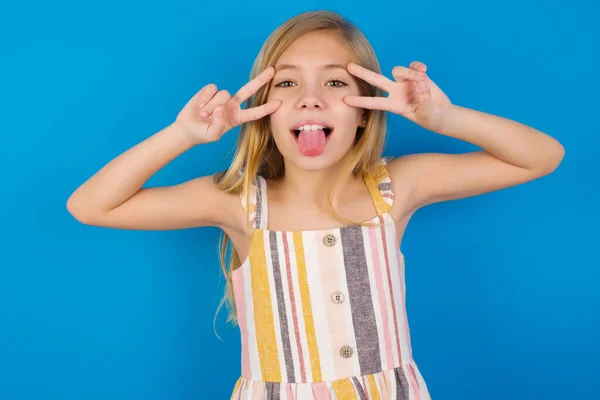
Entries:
{"x":325,"y":160}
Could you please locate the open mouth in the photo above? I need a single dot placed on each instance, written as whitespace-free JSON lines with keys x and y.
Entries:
{"x":312,"y":137}
{"x":326,"y":129}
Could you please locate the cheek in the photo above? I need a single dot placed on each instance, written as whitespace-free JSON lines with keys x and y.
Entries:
{"x":279,"y":123}
{"x":346,"y":114}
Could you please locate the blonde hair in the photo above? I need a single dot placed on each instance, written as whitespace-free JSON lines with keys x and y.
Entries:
{"x":257,"y":153}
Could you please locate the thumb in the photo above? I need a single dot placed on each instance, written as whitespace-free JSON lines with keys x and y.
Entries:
{"x":217,"y":126}
{"x":422,"y":92}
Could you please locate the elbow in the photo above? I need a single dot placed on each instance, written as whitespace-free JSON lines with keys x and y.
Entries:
{"x":557,"y":156}
{"x":77,"y":211}
{"x":553,"y":159}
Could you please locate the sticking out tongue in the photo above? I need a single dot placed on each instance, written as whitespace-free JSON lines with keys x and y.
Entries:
{"x":312,"y":143}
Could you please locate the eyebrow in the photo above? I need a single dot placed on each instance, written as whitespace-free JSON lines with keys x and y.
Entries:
{"x":326,"y":66}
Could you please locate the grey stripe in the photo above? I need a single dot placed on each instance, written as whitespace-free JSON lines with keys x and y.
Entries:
{"x":287,"y":348}
{"x":401,"y":384}
{"x":273,"y":392}
{"x":359,"y":294}
{"x":258,"y":202}
{"x":385,"y":186}
{"x":359,"y":389}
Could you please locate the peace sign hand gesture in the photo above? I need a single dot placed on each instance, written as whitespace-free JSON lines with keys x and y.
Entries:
{"x":412,"y":95}
{"x":210,"y":113}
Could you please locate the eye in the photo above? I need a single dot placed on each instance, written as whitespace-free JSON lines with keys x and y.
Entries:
{"x":340,"y":83}
{"x":281,"y":84}
{"x":288,"y":83}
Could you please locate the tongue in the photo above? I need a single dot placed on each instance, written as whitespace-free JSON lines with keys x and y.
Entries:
{"x":311,"y":143}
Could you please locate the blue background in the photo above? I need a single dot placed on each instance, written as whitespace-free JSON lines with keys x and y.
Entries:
{"x":502,"y":288}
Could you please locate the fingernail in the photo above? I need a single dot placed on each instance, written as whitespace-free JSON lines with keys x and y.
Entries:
{"x":218,"y":110}
{"x":201,"y":105}
{"x":204,"y":114}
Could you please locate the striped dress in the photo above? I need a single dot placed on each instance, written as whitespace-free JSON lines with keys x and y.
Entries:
{"x":322,"y":313}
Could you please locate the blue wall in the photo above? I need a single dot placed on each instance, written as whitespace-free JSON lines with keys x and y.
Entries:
{"x":502,"y":288}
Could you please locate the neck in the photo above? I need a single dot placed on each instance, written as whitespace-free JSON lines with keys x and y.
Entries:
{"x":310,"y":187}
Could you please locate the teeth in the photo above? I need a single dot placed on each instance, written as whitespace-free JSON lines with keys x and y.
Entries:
{"x":310,"y":127}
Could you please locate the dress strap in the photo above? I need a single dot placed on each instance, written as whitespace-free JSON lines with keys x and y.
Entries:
{"x":258,"y":203}
{"x":380,"y":187}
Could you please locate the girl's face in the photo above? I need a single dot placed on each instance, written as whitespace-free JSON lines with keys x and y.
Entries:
{"x":311,"y":80}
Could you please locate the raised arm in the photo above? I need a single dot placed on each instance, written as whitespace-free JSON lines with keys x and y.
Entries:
{"x":512,"y":153}
{"x":114,"y":197}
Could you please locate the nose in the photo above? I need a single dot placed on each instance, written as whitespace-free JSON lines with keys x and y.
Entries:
{"x":310,"y":98}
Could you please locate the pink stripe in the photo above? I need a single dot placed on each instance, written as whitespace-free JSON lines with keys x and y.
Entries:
{"x":240,"y":295}
{"x":414,"y":383}
{"x":387,"y":267}
{"x":338,"y":332}
{"x":406,"y":329}
{"x":381,"y":295}
{"x":293,"y":303}
{"x":320,"y":391}
{"x":366,"y":388}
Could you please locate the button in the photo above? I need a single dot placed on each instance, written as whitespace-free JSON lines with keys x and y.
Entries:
{"x":346,"y":351}
{"x":337,"y":297}
{"x":329,"y":240}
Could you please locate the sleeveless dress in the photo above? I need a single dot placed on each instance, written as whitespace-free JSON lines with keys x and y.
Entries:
{"x":322,"y":313}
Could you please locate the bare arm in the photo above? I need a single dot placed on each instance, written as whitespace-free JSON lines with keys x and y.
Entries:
{"x":114,"y":196}
{"x":512,"y":154}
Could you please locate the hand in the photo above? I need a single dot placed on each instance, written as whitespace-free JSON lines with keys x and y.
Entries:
{"x":209,"y":114}
{"x":412,"y":95}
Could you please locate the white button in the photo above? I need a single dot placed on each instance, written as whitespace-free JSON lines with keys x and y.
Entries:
{"x":337,"y":297}
{"x":329,"y":240}
{"x":346,"y":351}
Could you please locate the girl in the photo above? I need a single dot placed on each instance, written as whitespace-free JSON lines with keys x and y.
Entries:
{"x":315,"y":215}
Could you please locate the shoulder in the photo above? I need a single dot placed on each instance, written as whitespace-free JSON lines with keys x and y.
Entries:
{"x":403,"y":166}
{"x":225,"y":207}
{"x":403,"y":172}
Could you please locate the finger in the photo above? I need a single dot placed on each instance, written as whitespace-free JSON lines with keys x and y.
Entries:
{"x":369,"y":76}
{"x":371,"y":103}
{"x":217,"y":125}
{"x":205,"y":94}
{"x":418,"y":66}
{"x":220,"y":98}
{"x":422,"y":93}
{"x":422,"y":86}
{"x":401,"y":73}
{"x":254,"y":113}
{"x":253,"y":86}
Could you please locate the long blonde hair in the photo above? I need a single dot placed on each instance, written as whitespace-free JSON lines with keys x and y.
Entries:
{"x":257,"y":153}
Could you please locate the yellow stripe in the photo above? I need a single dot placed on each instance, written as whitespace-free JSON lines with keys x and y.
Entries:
{"x":236,"y":388}
{"x":381,"y":173}
{"x":373,"y":388}
{"x":344,"y":389}
{"x":380,"y":204}
{"x":311,"y":336}
{"x":263,"y":312}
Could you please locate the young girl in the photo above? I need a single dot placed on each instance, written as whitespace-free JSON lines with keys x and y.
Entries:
{"x":315,"y":215}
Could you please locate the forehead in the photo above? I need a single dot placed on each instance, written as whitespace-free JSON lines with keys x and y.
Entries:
{"x":315,"y":49}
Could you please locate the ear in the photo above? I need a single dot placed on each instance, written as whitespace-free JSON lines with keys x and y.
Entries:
{"x":363,"y":120}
